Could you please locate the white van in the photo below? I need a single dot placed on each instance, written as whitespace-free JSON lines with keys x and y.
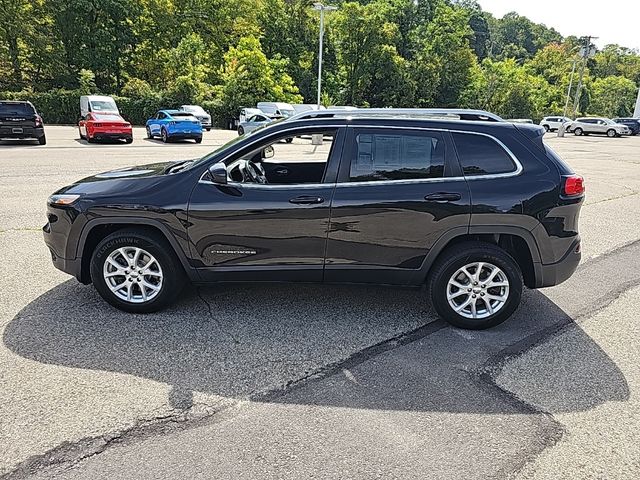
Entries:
{"x":306,"y":107}
{"x":98,"y":104}
{"x":276,"y":108}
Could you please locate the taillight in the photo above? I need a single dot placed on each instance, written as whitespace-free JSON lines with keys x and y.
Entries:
{"x":38,"y":121}
{"x":97,"y":124}
{"x":172,"y":123}
{"x":573,"y":185}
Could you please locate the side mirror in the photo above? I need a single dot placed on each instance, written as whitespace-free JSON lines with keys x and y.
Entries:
{"x":268,"y":152}
{"x":218,"y":172}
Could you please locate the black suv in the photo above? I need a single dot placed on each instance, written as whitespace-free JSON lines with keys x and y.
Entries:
{"x":474,"y":209}
{"x":19,"y":120}
{"x":632,"y":123}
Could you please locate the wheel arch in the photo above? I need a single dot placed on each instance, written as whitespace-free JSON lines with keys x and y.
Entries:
{"x":517,"y":241}
{"x":97,"y":229}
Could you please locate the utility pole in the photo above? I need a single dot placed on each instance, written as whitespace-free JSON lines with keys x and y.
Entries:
{"x":585,"y":53}
{"x":566,"y":103}
{"x":321,"y":7}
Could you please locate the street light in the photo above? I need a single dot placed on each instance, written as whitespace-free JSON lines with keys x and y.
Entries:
{"x":322,"y":8}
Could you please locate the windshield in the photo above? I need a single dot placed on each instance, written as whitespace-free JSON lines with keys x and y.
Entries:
{"x":608,"y":122}
{"x":229,"y":144}
{"x":193,"y":109}
{"x":103,"y":106}
{"x":287,"y":112}
{"x":182,"y":115}
{"x":9,"y":108}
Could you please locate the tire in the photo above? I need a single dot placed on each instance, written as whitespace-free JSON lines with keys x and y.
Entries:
{"x":546,"y":128}
{"x":577,"y":132}
{"x":208,"y":129}
{"x":164,"y":135}
{"x":289,"y":140}
{"x":240,"y":131}
{"x":42,"y":140}
{"x":448,"y":268}
{"x":198,"y":139}
{"x":82,"y":137}
{"x":166,"y":273}
{"x":611,"y":133}
{"x":149,"y":134}
{"x":128,"y":140}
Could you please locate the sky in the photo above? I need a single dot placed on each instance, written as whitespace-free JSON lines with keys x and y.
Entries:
{"x":612,"y":21}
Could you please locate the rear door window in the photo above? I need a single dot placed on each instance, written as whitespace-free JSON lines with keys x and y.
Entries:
{"x":481,"y":155}
{"x":391,"y":155}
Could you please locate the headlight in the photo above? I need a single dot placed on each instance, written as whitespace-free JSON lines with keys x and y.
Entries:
{"x":62,"y":199}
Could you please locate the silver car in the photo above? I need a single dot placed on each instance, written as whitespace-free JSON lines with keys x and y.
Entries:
{"x":254,"y":122}
{"x":598,"y":125}
{"x":552,"y":124}
{"x":200,"y":113}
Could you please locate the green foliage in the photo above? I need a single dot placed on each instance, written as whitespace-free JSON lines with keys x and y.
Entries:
{"x":225,"y":54}
{"x":613,"y":96}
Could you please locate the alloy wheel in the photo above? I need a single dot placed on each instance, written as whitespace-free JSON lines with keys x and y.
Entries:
{"x":478,"y":290}
{"x":133,"y":274}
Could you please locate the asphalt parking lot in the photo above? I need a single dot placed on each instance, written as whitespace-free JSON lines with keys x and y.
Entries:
{"x":304,"y":381}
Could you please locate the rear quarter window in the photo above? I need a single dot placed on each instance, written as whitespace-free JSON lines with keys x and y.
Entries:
{"x":481,"y":155}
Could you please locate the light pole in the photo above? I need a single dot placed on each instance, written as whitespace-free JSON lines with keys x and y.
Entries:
{"x":322,"y":8}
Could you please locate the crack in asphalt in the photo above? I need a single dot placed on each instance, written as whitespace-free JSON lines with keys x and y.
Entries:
{"x":229,"y":334}
{"x":68,"y":454}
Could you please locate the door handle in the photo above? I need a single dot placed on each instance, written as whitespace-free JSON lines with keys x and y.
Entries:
{"x":281,"y":171}
{"x":443,"y":197}
{"x":306,"y":200}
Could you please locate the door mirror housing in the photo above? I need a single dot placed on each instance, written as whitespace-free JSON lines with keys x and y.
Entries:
{"x":268,"y":152}
{"x":218,"y":172}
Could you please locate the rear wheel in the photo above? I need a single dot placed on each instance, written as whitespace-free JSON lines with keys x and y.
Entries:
{"x":289,"y":140}
{"x":136,"y":271}
{"x":42,"y":140}
{"x":163,"y":135}
{"x":475,"y":285}
{"x":149,"y":134}
{"x":128,"y":140}
{"x":80,"y":133}
{"x":577,"y":131}
{"x":546,"y":128}
{"x":198,"y":139}
{"x":240,"y":131}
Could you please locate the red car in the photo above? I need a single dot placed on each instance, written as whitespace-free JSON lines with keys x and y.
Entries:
{"x":104,"y":126}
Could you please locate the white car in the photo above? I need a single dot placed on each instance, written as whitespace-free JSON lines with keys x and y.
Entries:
{"x":200,"y":113}
{"x":551,"y":124}
{"x":605,"y":126}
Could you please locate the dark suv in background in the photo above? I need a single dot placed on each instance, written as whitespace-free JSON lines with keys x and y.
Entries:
{"x":472,"y":206}
{"x":632,"y":123}
{"x":19,"y":120}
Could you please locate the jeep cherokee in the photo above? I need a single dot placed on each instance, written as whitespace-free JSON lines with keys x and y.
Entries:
{"x":472,"y":206}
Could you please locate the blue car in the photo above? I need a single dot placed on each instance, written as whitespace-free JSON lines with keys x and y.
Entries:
{"x":174,"y":125}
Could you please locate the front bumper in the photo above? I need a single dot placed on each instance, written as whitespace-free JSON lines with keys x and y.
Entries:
{"x":61,"y":235}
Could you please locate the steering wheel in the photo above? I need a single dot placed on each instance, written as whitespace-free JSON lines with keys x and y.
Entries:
{"x":255,"y":172}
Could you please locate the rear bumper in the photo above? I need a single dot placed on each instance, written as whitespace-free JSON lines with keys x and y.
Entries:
{"x":548,"y":275}
{"x":112,"y":135}
{"x":27,"y":132}
{"x":184,"y":136}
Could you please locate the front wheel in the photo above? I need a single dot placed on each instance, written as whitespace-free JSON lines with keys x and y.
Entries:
{"x":611,"y":133}
{"x":546,"y":128}
{"x":136,"y":271}
{"x":240,"y":131}
{"x":475,"y":285}
{"x":149,"y":134}
{"x":577,"y":132}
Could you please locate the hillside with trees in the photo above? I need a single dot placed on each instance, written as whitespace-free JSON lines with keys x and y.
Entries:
{"x":226,"y":54}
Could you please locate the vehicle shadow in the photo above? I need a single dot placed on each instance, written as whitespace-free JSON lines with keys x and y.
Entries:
{"x":236,"y":340}
{"x":20,"y":143}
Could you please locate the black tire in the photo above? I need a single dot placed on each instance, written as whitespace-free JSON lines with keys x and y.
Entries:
{"x":612,"y":133}
{"x":164,"y":135}
{"x":128,"y":140}
{"x":173,"y":280}
{"x":198,"y":139}
{"x":42,"y":140}
{"x":208,"y":129}
{"x":546,"y":128}
{"x":460,"y":255}
{"x":577,"y":132}
{"x":289,"y":140}
{"x":149,"y":134}
{"x":82,"y":137}
{"x":240,"y":131}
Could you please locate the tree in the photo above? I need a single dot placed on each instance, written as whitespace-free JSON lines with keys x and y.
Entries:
{"x":613,"y":96}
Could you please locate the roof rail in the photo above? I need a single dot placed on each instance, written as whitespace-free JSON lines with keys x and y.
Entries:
{"x":442,"y":113}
